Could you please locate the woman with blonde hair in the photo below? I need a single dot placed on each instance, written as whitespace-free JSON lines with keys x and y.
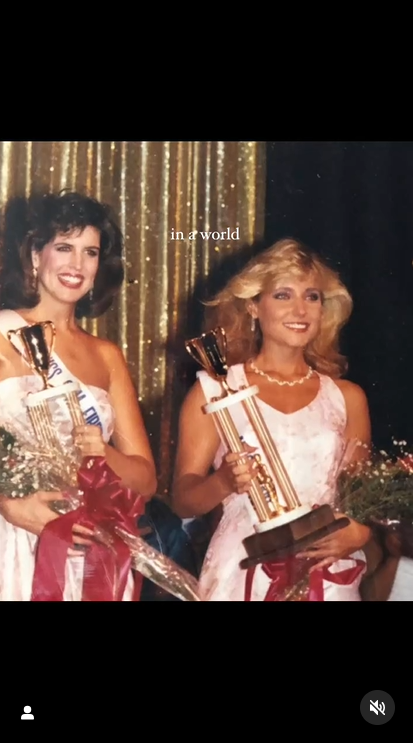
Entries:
{"x":282,"y":315}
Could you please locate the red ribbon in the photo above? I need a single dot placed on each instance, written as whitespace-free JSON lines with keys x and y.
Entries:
{"x":106,"y":503}
{"x":406,"y":463}
{"x":286,"y":573}
{"x":290,"y":571}
{"x":341,"y":578}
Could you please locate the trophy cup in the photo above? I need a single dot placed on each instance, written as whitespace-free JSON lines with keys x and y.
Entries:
{"x":36,"y":352}
{"x":281,"y":530}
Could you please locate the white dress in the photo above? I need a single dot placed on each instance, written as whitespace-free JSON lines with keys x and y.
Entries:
{"x":17,"y":546}
{"x":311,"y":444}
{"x":402,"y":589}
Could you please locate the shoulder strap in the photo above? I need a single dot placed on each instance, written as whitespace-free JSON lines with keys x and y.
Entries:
{"x":210,"y":387}
{"x":237,"y":376}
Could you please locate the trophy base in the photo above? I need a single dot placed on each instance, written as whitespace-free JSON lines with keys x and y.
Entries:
{"x":284,"y":518}
{"x":277,"y":542}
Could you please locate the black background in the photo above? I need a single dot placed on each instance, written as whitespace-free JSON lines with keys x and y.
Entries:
{"x":140,"y":674}
{"x":353,"y":203}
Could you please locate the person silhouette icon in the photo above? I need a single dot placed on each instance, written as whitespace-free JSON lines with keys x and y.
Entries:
{"x":27,"y":714}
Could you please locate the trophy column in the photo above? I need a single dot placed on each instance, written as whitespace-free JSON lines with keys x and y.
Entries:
{"x":280,"y":530}
{"x":40,"y":414}
{"x":36,"y":351}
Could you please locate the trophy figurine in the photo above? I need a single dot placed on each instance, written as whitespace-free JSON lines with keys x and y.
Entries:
{"x":36,"y":352}
{"x":281,"y":529}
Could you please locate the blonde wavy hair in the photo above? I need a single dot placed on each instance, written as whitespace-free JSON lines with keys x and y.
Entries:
{"x":288,"y":257}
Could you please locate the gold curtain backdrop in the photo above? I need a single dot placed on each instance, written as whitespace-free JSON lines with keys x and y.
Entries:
{"x":158,"y":190}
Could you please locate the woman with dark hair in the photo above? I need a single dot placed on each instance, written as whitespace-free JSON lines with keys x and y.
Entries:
{"x":62,"y":260}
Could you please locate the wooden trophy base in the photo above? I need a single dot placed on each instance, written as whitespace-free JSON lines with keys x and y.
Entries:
{"x":291,"y":537}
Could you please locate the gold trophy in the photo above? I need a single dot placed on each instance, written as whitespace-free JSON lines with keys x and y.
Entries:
{"x":37,"y":351}
{"x":281,"y":529}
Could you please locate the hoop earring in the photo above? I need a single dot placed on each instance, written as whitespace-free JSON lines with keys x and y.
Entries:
{"x":34,"y":279}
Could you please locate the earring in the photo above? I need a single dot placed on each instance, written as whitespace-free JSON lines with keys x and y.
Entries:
{"x":34,"y":279}
{"x":253,"y":324}
{"x":91,"y":296}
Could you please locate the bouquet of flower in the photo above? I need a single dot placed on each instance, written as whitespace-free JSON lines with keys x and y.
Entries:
{"x":26,"y":468}
{"x":99,"y":502}
{"x":378,"y":492}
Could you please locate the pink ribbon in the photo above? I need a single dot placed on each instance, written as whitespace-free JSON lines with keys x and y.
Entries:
{"x":288,"y":572}
{"x":106,"y":503}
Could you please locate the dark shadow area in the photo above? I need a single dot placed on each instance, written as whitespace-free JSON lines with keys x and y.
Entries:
{"x":352,"y":202}
{"x":193,"y":312}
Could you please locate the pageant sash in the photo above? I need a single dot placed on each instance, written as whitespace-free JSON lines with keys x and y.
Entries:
{"x":10,"y":320}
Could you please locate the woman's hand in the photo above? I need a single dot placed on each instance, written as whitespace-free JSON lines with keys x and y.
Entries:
{"x":34,"y":512}
{"x":31,"y":513}
{"x":89,"y":441}
{"x":237,"y":470}
{"x":338,"y":545}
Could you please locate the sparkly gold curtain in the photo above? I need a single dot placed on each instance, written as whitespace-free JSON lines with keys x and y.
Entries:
{"x":159,"y":189}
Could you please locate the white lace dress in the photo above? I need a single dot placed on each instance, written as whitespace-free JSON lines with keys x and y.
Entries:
{"x":311,"y":445}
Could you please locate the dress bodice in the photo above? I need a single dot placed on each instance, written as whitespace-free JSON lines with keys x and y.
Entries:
{"x":310,"y":441}
{"x":14,"y":416}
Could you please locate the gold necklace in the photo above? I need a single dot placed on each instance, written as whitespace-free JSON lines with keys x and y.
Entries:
{"x":277,"y":381}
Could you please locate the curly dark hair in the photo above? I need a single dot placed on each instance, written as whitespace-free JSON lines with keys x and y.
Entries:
{"x":31,"y":223}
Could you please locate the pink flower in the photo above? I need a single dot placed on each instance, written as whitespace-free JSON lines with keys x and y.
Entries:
{"x":406,"y":463}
